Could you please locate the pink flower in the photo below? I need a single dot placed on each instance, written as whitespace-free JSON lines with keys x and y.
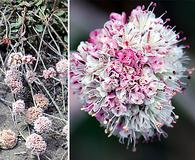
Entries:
{"x":128,"y":72}
{"x":126,"y":56}
{"x":30,"y":76}
{"x":13,"y":80}
{"x":62,"y":66}
{"x":136,"y":12}
{"x":118,"y":17}
{"x":8,"y":139}
{"x":28,"y":59}
{"x":18,"y":107}
{"x":156,"y":63}
{"x":116,"y":23}
{"x":15,"y":59}
{"x":137,"y":98}
{"x":94,"y":36}
{"x":36,"y":144}
{"x":32,"y":114}
{"x":117,"y":66}
{"x":49,"y":73}
{"x":151,"y":89}
{"x":41,"y":101}
{"x":42,"y":124}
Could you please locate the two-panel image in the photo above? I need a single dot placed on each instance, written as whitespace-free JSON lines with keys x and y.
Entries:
{"x":97,"y":80}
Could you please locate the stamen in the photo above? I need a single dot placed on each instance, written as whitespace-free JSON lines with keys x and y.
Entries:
{"x":163,"y":14}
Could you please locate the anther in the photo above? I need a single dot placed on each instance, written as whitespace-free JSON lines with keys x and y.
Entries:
{"x":187,"y":46}
{"x":184,"y":39}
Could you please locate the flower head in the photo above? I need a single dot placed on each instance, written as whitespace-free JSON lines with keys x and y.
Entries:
{"x":128,"y":72}
{"x":14,"y":59}
{"x":41,"y":101}
{"x":36,"y":144}
{"x":13,"y":80}
{"x":28,"y":59}
{"x":18,"y":107}
{"x":49,"y":73}
{"x":30,"y":76}
{"x":32,"y":114}
{"x":42,"y":124}
{"x":62,"y":66}
{"x":8,"y":139}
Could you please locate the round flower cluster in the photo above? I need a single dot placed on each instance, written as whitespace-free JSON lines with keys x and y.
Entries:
{"x":8,"y":139}
{"x":36,"y":144}
{"x":62,"y":66}
{"x":18,"y":107}
{"x":32,"y":114}
{"x":49,"y":73}
{"x":42,"y":124}
{"x":13,"y":80}
{"x":128,"y":72}
{"x":15,"y":59}
{"x":41,"y":101}
{"x":13,"y":75}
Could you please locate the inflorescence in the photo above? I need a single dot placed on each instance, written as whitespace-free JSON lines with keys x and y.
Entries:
{"x":128,"y":72}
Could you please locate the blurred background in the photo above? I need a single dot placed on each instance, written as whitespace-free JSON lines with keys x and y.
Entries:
{"x":88,"y":141}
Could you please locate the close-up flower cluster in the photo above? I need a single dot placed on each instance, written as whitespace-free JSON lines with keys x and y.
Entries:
{"x":36,"y":144}
{"x":127,"y":73}
{"x":8,"y":139}
{"x":18,"y":107}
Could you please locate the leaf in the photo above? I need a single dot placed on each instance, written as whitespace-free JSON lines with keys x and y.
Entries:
{"x":30,"y":18}
{"x":2,"y":31}
{"x":39,"y":28}
{"x":43,"y":8}
{"x":55,"y":21}
{"x":60,"y":12}
{"x":18,"y":23}
{"x":66,"y":38}
{"x":64,"y":19}
{"x":14,"y":30}
{"x":24,"y":3}
{"x":39,"y":2}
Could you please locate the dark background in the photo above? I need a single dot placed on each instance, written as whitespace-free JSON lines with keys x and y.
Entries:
{"x":88,"y":141}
